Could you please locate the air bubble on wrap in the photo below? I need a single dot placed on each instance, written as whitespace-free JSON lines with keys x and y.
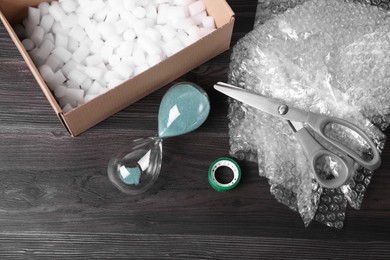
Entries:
{"x":304,"y":57}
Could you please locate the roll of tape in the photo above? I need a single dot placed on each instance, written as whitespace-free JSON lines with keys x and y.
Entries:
{"x":224,"y":162}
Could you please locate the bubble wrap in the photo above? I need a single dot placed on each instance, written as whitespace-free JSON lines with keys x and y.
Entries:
{"x":325,"y":56}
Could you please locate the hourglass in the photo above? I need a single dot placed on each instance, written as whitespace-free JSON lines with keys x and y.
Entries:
{"x":134,"y":169}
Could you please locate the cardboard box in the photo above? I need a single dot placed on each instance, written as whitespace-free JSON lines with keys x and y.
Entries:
{"x":87,"y":115}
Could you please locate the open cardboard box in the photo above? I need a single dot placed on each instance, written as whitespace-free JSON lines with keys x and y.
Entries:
{"x":89,"y":114}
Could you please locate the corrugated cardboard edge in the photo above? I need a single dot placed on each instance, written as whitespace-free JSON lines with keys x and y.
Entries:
{"x":84,"y":117}
{"x":30,"y":64}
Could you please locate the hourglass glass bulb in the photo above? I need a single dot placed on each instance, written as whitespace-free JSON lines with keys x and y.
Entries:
{"x":136,"y":167}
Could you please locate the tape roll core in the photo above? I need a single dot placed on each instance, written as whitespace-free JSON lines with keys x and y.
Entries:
{"x":224,"y":162}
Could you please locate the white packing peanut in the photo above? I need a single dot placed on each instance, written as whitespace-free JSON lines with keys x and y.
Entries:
{"x":68,"y":67}
{"x":197,"y":19}
{"x":47,"y":22}
{"x":77,"y":76}
{"x":45,"y":50}
{"x":86,"y":84}
{"x":34,"y":15}
{"x":68,"y":6}
{"x":60,"y":91}
{"x":56,"y":11}
{"x":139,"y":58}
{"x":67,"y":108}
{"x":28,"y":44}
{"x":72,"y":84}
{"x":44,"y":8}
{"x":172,"y":47}
{"x":80,"y":54}
{"x":73,"y":44}
{"x":208,"y":22}
{"x":196,"y":8}
{"x":95,"y":88}
{"x":124,"y":70}
{"x":114,"y":60}
{"x":54,"y":63}
{"x":93,"y":72}
{"x":75,"y":94}
{"x":61,"y":40}
{"x":37,"y":35}
{"x":129,"y":35}
{"x":62,"y":53}
{"x":77,"y":33}
{"x":93,"y":60}
{"x":49,"y":37}
{"x":96,"y":46}
{"x":111,"y":75}
{"x":148,"y":45}
{"x":69,"y":21}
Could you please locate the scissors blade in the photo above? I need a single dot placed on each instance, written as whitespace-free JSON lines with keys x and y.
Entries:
{"x":268,"y":105}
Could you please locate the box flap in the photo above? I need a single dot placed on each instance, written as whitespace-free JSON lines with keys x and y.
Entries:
{"x":220,"y":10}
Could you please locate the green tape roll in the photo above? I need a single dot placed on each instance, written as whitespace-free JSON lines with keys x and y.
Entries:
{"x":224,"y":162}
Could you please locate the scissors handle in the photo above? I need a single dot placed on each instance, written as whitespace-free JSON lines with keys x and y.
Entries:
{"x":319,"y":122}
{"x":314,"y":151}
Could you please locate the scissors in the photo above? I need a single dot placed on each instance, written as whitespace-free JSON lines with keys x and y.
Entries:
{"x":341,"y":167}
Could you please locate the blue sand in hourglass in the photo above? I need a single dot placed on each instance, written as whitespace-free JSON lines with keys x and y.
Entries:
{"x":136,"y":167}
{"x":183,"y":109}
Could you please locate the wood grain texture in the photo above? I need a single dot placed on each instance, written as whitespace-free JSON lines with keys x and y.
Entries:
{"x":56,"y":200}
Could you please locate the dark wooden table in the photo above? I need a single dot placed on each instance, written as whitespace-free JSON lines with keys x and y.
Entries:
{"x":57,"y":202}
